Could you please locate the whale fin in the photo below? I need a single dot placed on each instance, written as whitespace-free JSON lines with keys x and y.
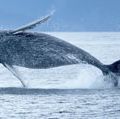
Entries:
{"x":32,"y":24}
{"x":14,"y":72}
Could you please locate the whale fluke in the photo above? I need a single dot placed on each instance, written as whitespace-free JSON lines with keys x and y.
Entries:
{"x":115,"y":67}
{"x":114,"y":71}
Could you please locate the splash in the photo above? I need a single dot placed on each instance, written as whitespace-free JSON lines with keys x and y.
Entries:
{"x":80,"y":76}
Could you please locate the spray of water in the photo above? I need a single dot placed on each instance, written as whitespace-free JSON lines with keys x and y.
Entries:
{"x":80,"y":76}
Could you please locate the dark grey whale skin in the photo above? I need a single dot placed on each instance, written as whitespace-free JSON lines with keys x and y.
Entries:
{"x":39,"y":50}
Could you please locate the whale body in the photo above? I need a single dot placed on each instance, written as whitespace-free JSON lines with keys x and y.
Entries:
{"x":41,"y":51}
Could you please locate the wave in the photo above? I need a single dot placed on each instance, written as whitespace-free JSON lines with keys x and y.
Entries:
{"x":37,"y":91}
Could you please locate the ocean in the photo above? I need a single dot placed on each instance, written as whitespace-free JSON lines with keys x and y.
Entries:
{"x":66,"y":92}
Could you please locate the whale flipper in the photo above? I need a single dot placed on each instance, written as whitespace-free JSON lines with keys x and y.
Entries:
{"x":14,"y":72}
{"x":32,"y":24}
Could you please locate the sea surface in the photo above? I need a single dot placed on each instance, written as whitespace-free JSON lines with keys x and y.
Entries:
{"x":67,"y":92}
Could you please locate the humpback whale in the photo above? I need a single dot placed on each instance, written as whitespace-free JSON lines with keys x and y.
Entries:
{"x":40,"y":51}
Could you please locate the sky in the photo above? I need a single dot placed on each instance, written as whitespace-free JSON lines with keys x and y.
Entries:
{"x":69,"y":16}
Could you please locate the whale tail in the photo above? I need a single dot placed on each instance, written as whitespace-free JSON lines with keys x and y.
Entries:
{"x":115,"y":67}
{"x":114,"y":71}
